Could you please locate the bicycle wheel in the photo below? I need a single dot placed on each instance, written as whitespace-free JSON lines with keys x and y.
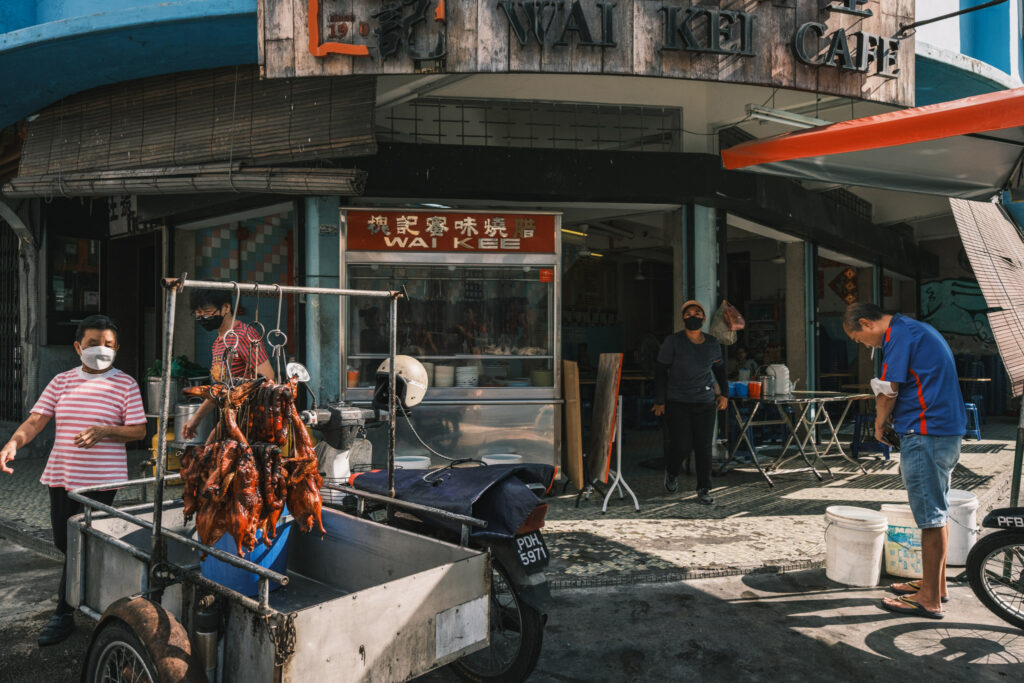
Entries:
{"x":995,"y":568}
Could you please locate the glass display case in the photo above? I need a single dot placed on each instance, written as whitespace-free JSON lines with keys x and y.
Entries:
{"x":472,"y":325}
{"x":481,"y":316}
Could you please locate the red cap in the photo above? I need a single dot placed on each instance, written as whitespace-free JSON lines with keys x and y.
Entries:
{"x":693,"y":302}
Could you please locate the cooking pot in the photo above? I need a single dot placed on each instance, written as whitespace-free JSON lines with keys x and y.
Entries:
{"x":153,"y":394}
{"x":183,"y":413}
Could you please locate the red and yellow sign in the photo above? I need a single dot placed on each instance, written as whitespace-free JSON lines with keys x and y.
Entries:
{"x":457,"y":231}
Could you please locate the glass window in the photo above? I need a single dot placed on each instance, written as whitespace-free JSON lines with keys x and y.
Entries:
{"x":495,"y":322}
{"x":73,"y":285}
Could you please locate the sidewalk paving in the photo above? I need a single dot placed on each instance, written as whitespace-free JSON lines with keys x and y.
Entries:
{"x":749,"y":528}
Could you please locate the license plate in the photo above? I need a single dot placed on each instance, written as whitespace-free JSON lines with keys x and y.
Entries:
{"x":533,"y":554}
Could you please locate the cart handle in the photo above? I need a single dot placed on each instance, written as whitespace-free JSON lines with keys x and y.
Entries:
{"x":235,"y":560}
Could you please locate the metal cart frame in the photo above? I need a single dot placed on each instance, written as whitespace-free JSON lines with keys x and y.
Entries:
{"x":162,"y":573}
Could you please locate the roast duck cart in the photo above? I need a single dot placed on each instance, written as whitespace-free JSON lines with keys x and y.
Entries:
{"x":356,"y":600}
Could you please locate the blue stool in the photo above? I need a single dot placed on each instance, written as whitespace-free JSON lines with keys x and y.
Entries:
{"x":859,"y":420}
{"x":972,"y":419}
{"x":979,"y":401}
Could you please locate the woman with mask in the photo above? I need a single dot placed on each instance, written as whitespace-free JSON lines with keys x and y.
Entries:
{"x":212,"y":309}
{"x":96,"y":409}
{"x":689,"y":378}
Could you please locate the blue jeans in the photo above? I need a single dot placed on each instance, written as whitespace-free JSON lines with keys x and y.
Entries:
{"x":926,"y":463}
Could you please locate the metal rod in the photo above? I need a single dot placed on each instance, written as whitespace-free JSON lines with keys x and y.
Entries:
{"x":907,"y":27}
{"x":453,"y":516}
{"x":135,"y":552}
{"x":159,"y":544}
{"x":90,"y":612}
{"x":182,"y":283}
{"x":393,"y":422}
{"x":221,"y":555}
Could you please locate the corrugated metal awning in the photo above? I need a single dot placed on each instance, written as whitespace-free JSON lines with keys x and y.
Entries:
{"x":966,"y":148}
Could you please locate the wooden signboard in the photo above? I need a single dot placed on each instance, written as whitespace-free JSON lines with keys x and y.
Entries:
{"x":836,"y":47}
{"x":606,"y":400}
{"x":572,"y":462}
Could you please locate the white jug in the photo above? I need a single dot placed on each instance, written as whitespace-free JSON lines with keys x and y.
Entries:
{"x":780,"y":373}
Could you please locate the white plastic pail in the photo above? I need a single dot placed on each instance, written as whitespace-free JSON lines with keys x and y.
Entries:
{"x":503,"y":459}
{"x":963,"y":525}
{"x":412,"y":462}
{"x":902,"y":543}
{"x":853,"y":540}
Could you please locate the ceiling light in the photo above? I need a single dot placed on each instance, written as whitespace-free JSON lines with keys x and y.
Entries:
{"x":574,"y":232}
{"x":785,"y":118}
{"x":436,"y":206}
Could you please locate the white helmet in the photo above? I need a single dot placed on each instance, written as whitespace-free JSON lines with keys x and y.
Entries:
{"x":410,"y":381}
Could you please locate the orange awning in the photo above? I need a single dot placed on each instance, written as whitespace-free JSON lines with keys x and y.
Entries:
{"x":964,"y":148}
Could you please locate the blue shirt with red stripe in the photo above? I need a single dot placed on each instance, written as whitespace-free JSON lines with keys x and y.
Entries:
{"x":929,"y":401}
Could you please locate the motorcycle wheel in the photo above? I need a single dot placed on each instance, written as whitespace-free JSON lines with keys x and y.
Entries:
{"x":517,"y":631}
{"x":995,"y":568}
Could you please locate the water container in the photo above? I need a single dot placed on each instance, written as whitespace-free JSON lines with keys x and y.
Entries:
{"x":503,"y":459}
{"x":244,"y":581}
{"x":413,"y":462}
{"x":963,"y":526}
{"x":853,"y":540}
{"x":902,"y":543}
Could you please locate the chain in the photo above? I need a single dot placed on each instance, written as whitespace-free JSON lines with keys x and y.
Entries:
{"x":283,"y":634}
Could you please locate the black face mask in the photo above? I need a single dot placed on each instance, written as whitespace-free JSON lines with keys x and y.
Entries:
{"x":209,"y":322}
{"x":693,"y":323}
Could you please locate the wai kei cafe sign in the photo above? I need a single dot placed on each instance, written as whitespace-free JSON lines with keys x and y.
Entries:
{"x":841,"y":47}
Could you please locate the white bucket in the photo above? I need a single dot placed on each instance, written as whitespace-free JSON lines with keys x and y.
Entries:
{"x":853,"y":540}
{"x":902,"y":543}
{"x":963,"y":526}
{"x":412,"y":462}
{"x":503,"y":459}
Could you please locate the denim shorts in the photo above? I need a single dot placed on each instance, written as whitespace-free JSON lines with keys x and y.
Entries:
{"x":926,"y":463}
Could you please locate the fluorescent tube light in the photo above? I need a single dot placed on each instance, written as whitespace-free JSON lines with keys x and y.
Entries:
{"x":574,"y":232}
{"x":785,"y":118}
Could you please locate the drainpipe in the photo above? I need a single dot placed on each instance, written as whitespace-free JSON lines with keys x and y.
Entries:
{"x":28,"y":304}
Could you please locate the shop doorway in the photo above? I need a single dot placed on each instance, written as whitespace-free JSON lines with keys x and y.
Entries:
{"x":134,"y":299}
{"x":764,"y":279}
{"x":839,"y":281}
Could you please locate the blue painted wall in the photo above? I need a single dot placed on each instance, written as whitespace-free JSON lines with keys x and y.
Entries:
{"x":50,"y":49}
{"x":985,"y":34}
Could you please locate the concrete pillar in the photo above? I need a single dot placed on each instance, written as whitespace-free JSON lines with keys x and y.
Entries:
{"x":323,"y":313}
{"x":705,"y":261}
{"x":675,"y":230}
{"x":184,"y":324}
{"x":796,"y":312}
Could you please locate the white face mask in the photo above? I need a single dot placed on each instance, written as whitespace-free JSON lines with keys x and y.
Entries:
{"x":98,"y":357}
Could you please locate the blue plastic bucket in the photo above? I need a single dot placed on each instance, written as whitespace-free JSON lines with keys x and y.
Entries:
{"x":274,"y":558}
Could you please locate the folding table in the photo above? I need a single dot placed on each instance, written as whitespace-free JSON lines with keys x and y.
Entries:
{"x":809,"y":408}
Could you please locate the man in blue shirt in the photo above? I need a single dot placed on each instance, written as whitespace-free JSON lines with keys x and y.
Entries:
{"x":918,"y":393}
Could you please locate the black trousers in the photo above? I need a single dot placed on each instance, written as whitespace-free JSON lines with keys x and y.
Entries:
{"x":62,"y":508}
{"x":691,"y":427}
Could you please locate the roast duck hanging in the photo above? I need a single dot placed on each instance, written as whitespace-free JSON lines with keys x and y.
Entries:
{"x":239,"y":481}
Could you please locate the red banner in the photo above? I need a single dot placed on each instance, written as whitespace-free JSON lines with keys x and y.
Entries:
{"x":458,"y":231}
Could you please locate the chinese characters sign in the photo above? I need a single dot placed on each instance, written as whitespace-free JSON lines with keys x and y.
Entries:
{"x":466,"y":231}
{"x":850,"y":48}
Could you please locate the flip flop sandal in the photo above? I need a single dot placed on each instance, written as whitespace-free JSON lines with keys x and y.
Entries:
{"x":911,"y":609}
{"x":915,"y":586}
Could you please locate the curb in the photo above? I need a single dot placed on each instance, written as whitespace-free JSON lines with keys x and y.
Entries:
{"x":30,"y":538}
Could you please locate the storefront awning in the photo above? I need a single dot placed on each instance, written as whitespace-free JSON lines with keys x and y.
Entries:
{"x":966,"y":148}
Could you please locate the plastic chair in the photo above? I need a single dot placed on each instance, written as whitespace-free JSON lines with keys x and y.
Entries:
{"x":859,"y":420}
{"x":979,"y":401}
{"x":972,"y":419}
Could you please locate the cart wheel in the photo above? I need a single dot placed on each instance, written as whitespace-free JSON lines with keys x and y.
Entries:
{"x":138,"y":640}
{"x":116,"y":655}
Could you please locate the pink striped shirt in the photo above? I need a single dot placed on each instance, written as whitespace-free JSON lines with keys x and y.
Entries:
{"x":78,"y":400}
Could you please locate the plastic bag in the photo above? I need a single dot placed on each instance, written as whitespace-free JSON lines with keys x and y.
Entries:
{"x":719,"y":328}
{"x":733,"y":317}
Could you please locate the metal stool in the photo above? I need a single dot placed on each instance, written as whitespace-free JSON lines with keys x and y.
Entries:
{"x":972,"y":418}
{"x":859,"y":420}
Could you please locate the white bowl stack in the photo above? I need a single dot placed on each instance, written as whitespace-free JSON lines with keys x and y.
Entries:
{"x":467,"y":376}
{"x":444,"y":376}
